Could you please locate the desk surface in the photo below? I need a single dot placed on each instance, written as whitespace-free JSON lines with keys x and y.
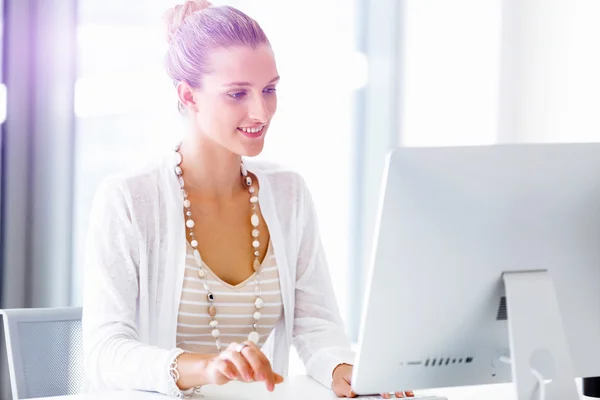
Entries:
{"x":294,"y":388}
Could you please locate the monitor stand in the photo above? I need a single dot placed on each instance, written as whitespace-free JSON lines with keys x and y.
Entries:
{"x":537,"y":338}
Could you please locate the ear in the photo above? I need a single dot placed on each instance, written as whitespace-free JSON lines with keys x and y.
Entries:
{"x":185,"y":93}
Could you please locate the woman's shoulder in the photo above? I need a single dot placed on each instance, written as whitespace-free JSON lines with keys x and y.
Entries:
{"x":284,"y":181}
{"x":137,"y":182}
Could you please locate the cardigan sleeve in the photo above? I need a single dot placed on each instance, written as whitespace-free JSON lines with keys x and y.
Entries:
{"x":319,"y":334}
{"x":115,"y":358}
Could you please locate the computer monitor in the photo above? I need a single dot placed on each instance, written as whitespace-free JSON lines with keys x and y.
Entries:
{"x":485,"y":269}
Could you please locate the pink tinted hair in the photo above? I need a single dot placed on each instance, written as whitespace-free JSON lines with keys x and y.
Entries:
{"x":196,"y":27}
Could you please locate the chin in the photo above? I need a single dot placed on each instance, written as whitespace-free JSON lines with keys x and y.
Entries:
{"x":252,"y":147}
{"x":252,"y":151}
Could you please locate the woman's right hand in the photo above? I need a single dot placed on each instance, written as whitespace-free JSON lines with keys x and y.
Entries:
{"x":244,"y":362}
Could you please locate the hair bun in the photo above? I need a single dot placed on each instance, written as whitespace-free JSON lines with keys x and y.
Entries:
{"x":176,"y":16}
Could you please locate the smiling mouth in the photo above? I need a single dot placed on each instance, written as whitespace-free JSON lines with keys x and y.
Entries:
{"x":253,"y":130}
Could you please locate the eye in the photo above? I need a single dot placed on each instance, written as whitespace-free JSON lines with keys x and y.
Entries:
{"x":270,"y":90}
{"x":237,"y":95}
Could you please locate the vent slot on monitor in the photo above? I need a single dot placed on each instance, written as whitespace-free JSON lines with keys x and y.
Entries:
{"x":502,"y":314}
{"x":445,"y":361}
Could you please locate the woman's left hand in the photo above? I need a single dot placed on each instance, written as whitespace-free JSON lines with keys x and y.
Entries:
{"x":342,"y":376}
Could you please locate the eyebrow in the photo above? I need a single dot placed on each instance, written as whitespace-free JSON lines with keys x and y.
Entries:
{"x":249,"y":84}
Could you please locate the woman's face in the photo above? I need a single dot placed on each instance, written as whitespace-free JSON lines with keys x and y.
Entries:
{"x":237,"y":98}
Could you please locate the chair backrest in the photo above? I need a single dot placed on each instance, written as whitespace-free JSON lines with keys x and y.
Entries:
{"x":45,"y":351}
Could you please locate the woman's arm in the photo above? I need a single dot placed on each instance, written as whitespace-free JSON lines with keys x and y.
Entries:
{"x":319,"y":334}
{"x":115,"y":358}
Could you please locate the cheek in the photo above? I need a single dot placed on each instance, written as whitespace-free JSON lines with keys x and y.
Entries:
{"x":232,"y":115}
{"x":272,"y":104}
{"x":220,"y":115}
{"x":206,"y":122}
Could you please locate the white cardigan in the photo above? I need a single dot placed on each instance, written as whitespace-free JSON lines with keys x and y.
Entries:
{"x":134,"y":268}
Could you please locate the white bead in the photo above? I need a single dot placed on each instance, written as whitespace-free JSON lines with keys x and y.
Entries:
{"x":215,"y":333}
{"x":194,"y":243}
{"x":254,"y":220}
{"x":243,"y":169}
{"x":178,"y":170}
{"x":197,"y":257}
{"x":248,"y":181}
{"x":255,"y":233}
{"x":253,"y":199}
{"x":251,"y":190}
{"x":257,"y":315}
{"x":214,"y":323}
{"x":258,"y":303}
{"x":187,"y":204}
{"x":254,"y":337}
{"x":189,"y":223}
{"x":256,"y":244}
{"x":178,"y":158}
{"x":181,"y":182}
{"x":201,"y":273}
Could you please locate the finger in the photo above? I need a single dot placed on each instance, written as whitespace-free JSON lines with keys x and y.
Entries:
{"x":409,"y":393}
{"x":399,"y":394}
{"x":341,"y":388}
{"x":224,"y":372}
{"x":260,"y":365}
{"x":243,"y":368}
{"x":278,"y":378}
{"x":386,"y":395}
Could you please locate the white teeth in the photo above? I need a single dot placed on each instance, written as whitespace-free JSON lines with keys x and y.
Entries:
{"x":252,"y":130}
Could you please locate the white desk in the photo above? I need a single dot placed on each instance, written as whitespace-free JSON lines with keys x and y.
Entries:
{"x":294,"y":388}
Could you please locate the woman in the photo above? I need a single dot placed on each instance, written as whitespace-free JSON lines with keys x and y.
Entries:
{"x":200,"y":251}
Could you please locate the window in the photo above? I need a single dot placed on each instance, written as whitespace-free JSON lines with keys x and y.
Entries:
{"x":452,"y":65}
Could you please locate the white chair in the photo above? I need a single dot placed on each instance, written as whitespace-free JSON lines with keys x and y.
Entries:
{"x":45,"y":351}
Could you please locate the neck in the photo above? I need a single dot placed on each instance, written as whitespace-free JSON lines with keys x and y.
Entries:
{"x":210,"y":171}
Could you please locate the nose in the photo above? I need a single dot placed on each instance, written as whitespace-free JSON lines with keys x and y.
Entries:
{"x":258,"y":109}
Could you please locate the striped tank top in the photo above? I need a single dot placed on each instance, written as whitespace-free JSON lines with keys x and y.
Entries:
{"x":235,"y":306}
